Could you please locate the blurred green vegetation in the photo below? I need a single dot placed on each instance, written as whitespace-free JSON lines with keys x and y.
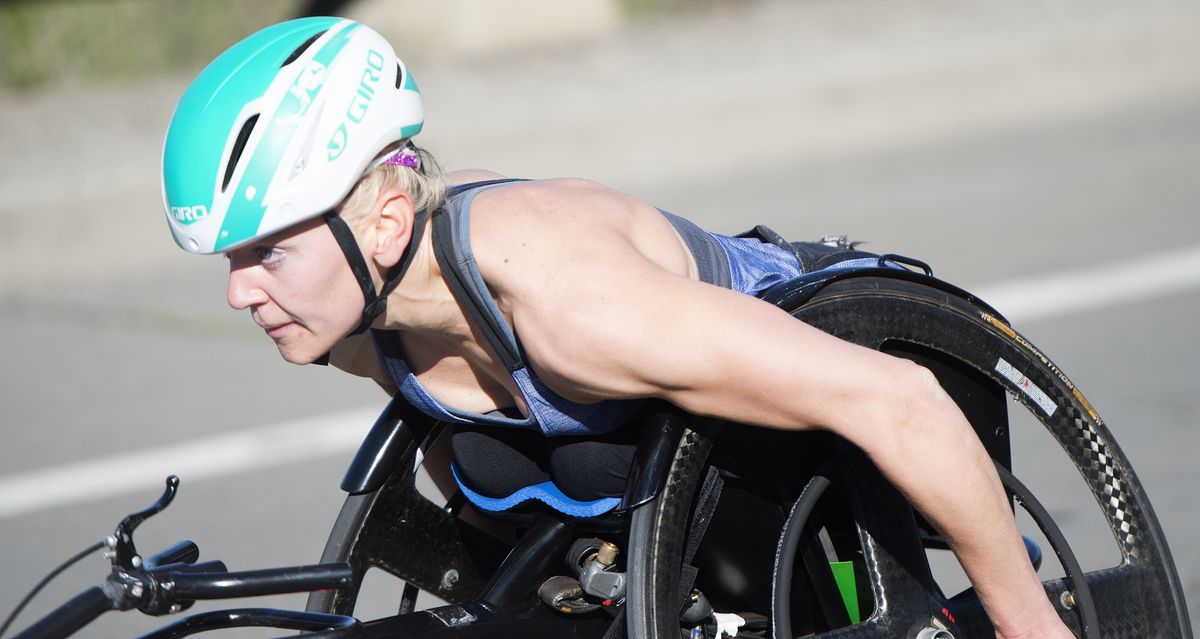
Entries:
{"x":51,"y":41}
{"x":46,"y":42}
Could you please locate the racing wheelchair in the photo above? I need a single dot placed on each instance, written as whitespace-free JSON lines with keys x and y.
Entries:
{"x":722,"y":529}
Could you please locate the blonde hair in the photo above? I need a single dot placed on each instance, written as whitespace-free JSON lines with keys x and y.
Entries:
{"x":425,"y":185}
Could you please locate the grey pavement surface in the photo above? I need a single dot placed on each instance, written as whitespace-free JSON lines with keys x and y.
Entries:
{"x":994,"y":141}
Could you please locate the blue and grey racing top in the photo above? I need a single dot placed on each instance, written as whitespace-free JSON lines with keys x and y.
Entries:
{"x":742,"y":264}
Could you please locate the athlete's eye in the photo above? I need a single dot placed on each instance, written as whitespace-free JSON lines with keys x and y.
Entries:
{"x":267,"y":255}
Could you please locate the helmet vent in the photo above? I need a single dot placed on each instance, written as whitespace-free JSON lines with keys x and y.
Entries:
{"x":239,"y":145}
{"x":301,"y":49}
{"x":399,"y":75}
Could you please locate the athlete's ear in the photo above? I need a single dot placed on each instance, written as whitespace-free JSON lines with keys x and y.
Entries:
{"x":394,"y":227}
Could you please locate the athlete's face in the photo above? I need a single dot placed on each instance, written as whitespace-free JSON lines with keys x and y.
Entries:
{"x":298,"y":288}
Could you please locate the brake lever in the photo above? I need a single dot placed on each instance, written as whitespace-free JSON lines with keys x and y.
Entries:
{"x":133,"y":582}
{"x":125,"y":554}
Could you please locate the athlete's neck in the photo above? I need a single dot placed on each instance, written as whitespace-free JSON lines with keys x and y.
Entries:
{"x":421,"y":302}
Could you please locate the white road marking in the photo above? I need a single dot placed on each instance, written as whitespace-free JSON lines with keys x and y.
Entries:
{"x":1034,"y":298}
{"x":1095,"y":286}
{"x":209,"y":457}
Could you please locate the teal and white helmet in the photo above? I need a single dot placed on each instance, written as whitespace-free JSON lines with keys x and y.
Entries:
{"x":279,"y":128}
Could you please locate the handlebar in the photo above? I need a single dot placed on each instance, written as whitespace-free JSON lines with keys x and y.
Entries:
{"x":171,"y":580}
{"x":173,"y":590}
{"x":81,"y":610}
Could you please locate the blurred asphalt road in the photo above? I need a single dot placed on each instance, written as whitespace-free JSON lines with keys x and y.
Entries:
{"x":998,"y":142}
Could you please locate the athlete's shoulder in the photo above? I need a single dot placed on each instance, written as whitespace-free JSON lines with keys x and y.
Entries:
{"x":528,"y":191}
{"x":558,"y":197}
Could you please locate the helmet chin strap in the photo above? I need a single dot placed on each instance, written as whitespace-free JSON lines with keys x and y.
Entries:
{"x":374,"y":303}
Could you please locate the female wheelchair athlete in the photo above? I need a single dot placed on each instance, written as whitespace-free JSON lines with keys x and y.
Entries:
{"x":741,"y":532}
{"x":803,"y":538}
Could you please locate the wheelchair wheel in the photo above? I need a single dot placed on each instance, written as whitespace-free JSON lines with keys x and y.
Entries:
{"x":979,"y":359}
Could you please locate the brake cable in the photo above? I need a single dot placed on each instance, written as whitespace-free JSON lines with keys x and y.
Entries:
{"x":48,"y":578}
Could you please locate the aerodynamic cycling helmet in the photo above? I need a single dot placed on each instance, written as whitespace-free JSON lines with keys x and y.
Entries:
{"x":279,"y":128}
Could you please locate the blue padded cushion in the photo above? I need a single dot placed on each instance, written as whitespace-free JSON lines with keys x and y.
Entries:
{"x":545,"y":492}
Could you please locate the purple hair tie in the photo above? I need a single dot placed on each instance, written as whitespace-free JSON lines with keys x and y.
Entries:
{"x":404,"y":157}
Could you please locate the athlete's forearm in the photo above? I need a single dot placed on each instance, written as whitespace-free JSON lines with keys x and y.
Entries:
{"x":968,"y":505}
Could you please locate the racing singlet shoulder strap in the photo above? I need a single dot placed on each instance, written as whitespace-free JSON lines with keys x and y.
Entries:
{"x":452,"y":248}
{"x":711,"y":262}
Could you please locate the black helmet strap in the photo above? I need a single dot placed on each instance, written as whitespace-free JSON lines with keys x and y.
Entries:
{"x":374,"y":303}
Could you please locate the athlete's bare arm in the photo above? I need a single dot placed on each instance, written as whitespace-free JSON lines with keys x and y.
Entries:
{"x":600,"y":316}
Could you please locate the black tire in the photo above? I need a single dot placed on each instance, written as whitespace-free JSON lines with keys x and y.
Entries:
{"x":656,"y":545}
{"x":1140,"y":597}
{"x":339,"y":547}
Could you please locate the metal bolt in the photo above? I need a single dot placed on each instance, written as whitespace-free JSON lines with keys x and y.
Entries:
{"x":450,"y":579}
{"x":607,"y":554}
{"x":136,"y":562}
{"x":933,"y":632}
{"x":110,"y":541}
{"x":999,"y":431}
{"x":136,"y":590}
{"x":1067,"y":599}
{"x":176,"y":608}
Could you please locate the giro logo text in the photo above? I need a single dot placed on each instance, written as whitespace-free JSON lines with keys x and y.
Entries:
{"x":359,"y":103}
{"x":189,"y":214}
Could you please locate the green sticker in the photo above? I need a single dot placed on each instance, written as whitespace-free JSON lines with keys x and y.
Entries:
{"x":843,"y":574}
